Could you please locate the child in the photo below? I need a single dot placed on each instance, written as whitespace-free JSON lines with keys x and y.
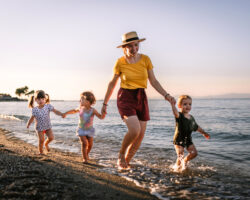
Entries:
{"x":41,"y":114}
{"x":185,"y":125}
{"x":85,"y":129}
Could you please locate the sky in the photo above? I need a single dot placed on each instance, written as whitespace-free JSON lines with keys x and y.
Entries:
{"x":65,"y":47}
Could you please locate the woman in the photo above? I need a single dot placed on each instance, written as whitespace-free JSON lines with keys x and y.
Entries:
{"x":134,"y":70}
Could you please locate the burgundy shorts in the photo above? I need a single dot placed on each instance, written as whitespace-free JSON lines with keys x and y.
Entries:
{"x":133,"y":102}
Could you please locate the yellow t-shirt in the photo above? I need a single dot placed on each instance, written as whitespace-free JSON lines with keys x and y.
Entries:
{"x":135,"y":75}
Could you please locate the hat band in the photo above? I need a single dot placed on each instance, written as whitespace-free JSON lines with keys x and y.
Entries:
{"x":131,"y":39}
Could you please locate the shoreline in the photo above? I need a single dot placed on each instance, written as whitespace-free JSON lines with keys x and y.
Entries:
{"x":57,"y":175}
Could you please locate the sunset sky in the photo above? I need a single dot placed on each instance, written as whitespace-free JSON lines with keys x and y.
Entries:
{"x":68,"y":46}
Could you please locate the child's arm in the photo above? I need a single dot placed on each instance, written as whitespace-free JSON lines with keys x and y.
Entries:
{"x":205,"y":134}
{"x":57,"y":112}
{"x":31,"y":119}
{"x":174,"y":109}
{"x":73,"y":111}
{"x":100,"y":116}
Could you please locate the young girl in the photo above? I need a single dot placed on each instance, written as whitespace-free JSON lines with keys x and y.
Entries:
{"x":85,"y":129}
{"x":185,"y":125}
{"x":41,"y":114}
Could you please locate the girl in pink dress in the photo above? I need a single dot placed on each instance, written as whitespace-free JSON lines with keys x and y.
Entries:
{"x":85,"y":129}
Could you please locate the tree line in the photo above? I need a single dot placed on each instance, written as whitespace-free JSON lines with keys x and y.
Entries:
{"x":24,"y":91}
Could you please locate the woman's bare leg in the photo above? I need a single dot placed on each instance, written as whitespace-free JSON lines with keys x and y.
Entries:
{"x":132,"y":149}
{"x":134,"y":129}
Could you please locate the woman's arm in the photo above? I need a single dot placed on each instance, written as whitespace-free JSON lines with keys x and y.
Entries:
{"x":205,"y":134}
{"x":157,"y":86}
{"x":31,"y":119}
{"x":109,"y":92}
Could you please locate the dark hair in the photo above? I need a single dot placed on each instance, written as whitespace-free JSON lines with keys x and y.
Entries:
{"x":89,"y":96}
{"x":39,"y":94}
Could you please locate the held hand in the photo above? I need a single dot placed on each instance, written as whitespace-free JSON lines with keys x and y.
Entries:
{"x":206,"y":135}
{"x":103,"y":115}
{"x":104,"y":110}
{"x":63,"y":115}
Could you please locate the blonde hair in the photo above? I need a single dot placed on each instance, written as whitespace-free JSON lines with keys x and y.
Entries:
{"x":39,"y":94}
{"x":181,"y":98}
{"x":89,"y":97}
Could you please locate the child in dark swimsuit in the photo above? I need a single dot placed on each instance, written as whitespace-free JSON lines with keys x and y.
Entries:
{"x":185,"y":125}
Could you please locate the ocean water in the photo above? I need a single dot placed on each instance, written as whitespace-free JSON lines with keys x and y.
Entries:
{"x":221,"y":170}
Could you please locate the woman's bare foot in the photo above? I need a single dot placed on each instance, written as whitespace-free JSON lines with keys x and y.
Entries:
{"x":121,"y":162}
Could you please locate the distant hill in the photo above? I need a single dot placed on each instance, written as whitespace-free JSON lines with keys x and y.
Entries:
{"x":7,"y":97}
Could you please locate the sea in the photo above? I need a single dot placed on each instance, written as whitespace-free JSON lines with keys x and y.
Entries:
{"x":220,"y":171}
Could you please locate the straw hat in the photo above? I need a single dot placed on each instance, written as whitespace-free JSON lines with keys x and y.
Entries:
{"x":129,"y":38}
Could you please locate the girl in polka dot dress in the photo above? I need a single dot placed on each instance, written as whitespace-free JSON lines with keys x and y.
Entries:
{"x":41,"y":115}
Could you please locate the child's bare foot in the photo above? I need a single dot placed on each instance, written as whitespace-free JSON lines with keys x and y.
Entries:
{"x":184,"y":165}
{"x":41,"y":153}
{"x":121,"y":162}
{"x":47,"y":147}
{"x":85,"y":161}
{"x":177,"y":167}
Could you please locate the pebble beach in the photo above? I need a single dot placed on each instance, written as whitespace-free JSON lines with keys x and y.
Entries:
{"x":57,"y":175}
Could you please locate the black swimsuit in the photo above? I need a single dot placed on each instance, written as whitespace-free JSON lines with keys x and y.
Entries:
{"x":183,"y":130}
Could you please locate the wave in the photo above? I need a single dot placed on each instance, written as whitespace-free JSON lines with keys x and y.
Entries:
{"x":14,"y":117}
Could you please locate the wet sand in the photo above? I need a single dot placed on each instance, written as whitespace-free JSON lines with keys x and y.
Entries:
{"x":58,"y":175}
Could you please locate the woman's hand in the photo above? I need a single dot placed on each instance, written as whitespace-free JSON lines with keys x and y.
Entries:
{"x":171,"y":99}
{"x":104,"y":109}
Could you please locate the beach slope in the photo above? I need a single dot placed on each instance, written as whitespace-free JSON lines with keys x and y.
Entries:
{"x":58,"y":175}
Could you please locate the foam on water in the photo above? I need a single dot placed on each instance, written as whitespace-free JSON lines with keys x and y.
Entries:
{"x":10,"y":117}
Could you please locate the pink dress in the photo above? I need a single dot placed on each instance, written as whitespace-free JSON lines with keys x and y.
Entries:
{"x":85,"y":125}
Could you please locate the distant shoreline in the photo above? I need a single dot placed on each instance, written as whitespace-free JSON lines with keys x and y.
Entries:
{"x":12,"y":99}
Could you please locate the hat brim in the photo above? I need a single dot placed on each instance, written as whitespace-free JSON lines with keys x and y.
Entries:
{"x":140,"y":40}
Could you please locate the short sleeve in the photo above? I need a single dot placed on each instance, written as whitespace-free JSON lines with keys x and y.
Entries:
{"x":117,"y":68}
{"x":148,"y":63}
{"x":194,"y":124}
{"x":50,"y":107}
{"x":33,"y":112}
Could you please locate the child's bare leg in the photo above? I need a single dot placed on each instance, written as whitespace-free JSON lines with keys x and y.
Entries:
{"x":84,"y":147}
{"x":192,"y":153}
{"x":180,"y":154}
{"x":40,"y":142}
{"x":90,"y":145}
{"x":50,"y":137}
{"x":132,"y":149}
